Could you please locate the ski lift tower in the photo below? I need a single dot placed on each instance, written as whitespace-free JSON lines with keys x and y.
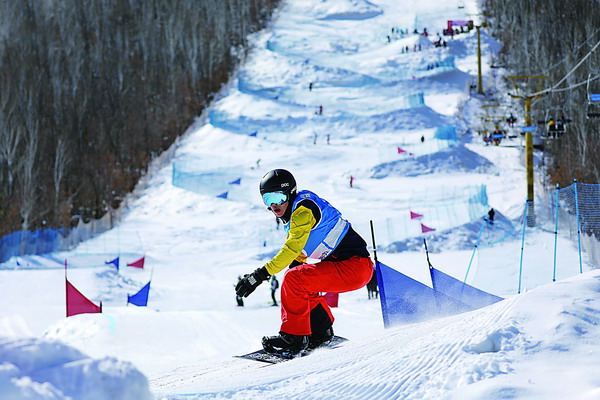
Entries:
{"x":528,"y":136}
{"x":479,"y":77}
{"x":483,"y":24}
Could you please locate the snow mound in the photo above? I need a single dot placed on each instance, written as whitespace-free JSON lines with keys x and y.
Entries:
{"x":346,"y":10}
{"x":494,"y":341}
{"x":43,"y":369}
{"x":452,"y":159}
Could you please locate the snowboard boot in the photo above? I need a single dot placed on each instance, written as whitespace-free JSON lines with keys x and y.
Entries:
{"x":320,"y":339}
{"x":285,"y":344}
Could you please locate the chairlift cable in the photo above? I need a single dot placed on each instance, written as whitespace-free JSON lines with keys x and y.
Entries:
{"x":553,"y":88}
{"x":574,"y":86}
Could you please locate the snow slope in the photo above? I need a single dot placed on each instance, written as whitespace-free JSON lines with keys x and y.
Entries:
{"x":375,"y":98}
{"x":507,"y":350}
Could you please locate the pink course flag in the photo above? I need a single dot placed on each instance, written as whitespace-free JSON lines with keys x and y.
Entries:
{"x":138,"y":263}
{"x":414,"y":215}
{"x":425,"y":229}
{"x":401,"y":150}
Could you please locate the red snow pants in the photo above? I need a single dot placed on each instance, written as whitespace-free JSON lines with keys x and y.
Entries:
{"x":302,"y":284}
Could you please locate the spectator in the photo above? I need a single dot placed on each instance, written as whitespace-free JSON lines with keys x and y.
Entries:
{"x":239,"y":299}
{"x":551,"y":127}
{"x":372,"y":288}
{"x":511,"y":120}
{"x":274,"y":287}
{"x":491,"y":214}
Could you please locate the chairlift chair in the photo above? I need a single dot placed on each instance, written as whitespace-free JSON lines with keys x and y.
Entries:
{"x":593,"y":96}
{"x":555,"y":123}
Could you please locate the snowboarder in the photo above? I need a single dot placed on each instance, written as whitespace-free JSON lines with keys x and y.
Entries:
{"x":274,"y":287}
{"x":317,"y":230}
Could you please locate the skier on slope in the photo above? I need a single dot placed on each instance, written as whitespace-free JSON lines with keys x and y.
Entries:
{"x":314,"y":229}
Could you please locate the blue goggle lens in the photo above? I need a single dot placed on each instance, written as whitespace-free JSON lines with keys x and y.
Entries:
{"x":277,"y":198}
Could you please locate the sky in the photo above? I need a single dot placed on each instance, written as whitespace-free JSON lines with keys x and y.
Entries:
{"x":376,"y":98}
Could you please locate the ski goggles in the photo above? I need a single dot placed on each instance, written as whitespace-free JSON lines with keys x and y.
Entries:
{"x":277,"y":198}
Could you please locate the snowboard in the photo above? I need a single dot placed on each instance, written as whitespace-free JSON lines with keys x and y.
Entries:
{"x":263,"y":356}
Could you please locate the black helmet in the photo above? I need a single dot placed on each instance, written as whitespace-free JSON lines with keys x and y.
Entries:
{"x":278,"y":180}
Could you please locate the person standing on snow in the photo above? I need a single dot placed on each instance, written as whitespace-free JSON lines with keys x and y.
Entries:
{"x":317,"y":230}
{"x":372,"y":287}
{"x":274,"y":287}
{"x":239,"y":299}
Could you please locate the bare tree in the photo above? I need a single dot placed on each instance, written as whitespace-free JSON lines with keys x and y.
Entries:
{"x":10,"y":140}
{"x":28,"y":172}
{"x":92,"y":91}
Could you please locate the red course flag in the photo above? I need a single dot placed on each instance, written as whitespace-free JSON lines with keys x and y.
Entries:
{"x":414,"y":215}
{"x":137,"y":264}
{"x":401,"y":150}
{"x":331,"y":299}
{"x":425,"y":229}
{"x":77,"y":303}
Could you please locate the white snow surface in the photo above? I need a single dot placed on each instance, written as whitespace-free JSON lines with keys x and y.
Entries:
{"x":540,"y":344}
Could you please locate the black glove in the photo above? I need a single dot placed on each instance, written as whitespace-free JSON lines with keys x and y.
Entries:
{"x":251,"y":282}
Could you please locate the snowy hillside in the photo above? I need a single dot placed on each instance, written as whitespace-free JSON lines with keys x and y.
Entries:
{"x":328,"y":92}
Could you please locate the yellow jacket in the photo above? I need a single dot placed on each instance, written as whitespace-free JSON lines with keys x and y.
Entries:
{"x":301,"y":223}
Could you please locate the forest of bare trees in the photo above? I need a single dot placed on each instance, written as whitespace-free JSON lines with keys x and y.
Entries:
{"x":550,"y":37}
{"x":91,"y":91}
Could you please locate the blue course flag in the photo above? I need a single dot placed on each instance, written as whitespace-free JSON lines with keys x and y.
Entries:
{"x":223,"y":195}
{"x":114,"y":262}
{"x":467,"y":294}
{"x":140,"y":298}
{"x":405,"y":300}
{"x":238,"y":181}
